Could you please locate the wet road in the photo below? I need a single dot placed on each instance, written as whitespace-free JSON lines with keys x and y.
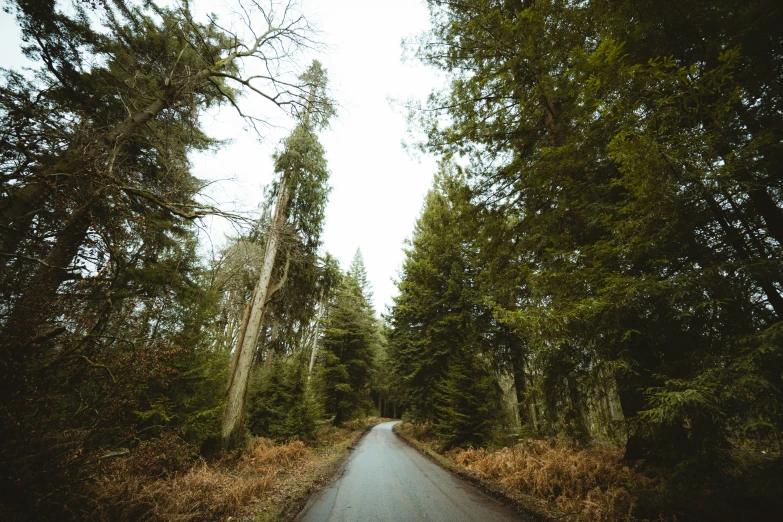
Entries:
{"x":385,"y":479}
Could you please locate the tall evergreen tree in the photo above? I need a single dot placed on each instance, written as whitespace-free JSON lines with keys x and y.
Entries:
{"x":300,"y":195}
{"x":358,"y":271}
{"x":348,"y":349}
{"x":440,"y":339}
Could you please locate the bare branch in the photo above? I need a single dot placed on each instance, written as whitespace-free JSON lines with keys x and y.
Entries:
{"x":186,"y":211}
{"x":28,"y":258}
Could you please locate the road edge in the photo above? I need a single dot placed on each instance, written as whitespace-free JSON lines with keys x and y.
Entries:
{"x":531,"y":507}
{"x":296,"y":505}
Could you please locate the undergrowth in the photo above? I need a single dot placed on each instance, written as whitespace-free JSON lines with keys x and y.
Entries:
{"x":579,"y":483}
{"x":590,"y":484}
{"x":133,"y":488}
{"x":165,"y":480}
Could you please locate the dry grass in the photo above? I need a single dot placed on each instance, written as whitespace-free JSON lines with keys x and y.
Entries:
{"x":124,"y":491}
{"x":587,"y":484}
{"x":161,"y":481}
{"x":263,"y":454}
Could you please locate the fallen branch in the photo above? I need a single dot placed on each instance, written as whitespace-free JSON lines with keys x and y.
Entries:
{"x":118,"y":453}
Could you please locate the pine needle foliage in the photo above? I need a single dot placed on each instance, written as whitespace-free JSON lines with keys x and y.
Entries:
{"x":347,"y":357}
{"x":633,"y":148}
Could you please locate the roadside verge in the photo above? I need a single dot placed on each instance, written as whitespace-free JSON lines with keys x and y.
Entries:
{"x":534,"y":508}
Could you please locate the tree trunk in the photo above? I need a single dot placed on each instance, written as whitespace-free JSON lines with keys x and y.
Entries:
{"x":16,"y":215}
{"x":314,"y":349}
{"x":520,"y":386}
{"x":234,"y":415}
{"x":240,"y":340}
{"x":738,"y":243}
{"x":769,"y":212}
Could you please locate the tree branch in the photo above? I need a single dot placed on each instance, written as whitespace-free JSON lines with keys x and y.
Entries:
{"x":282,"y":281}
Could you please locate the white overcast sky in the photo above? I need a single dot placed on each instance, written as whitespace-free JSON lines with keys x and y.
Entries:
{"x":377,"y":187}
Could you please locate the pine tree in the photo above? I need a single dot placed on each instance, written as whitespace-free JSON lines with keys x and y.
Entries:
{"x":106,"y":314}
{"x":441,"y":339}
{"x":348,"y":350}
{"x":358,"y":271}
{"x":301,"y":194}
{"x":466,"y":401}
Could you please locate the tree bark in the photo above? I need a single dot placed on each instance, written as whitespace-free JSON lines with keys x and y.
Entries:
{"x":738,"y":244}
{"x":234,"y":415}
{"x":520,"y":386}
{"x":17,"y":212}
{"x":314,"y":349}
{"x":240,"y":340}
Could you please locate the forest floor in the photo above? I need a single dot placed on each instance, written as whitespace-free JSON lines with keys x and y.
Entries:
{"x":263,"y":482}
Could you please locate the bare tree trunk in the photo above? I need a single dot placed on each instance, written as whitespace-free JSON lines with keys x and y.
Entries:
{"x":234,"y":415}
{"x":240,"y":340}
{"x":314,"y":349}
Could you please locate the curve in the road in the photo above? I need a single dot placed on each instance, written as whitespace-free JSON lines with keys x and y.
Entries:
{"x":385,"y":479}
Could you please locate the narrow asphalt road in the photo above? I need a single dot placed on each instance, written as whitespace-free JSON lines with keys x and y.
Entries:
{"x":385,"y":479}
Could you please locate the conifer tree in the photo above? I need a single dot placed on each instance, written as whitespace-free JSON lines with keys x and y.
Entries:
{"x":107,"y":309}
{"x":624,"y":142}
{"x":348,"y":349}
{"x":358,"y":271}
{"x":440,"y":342}
{"x":300,"y":195}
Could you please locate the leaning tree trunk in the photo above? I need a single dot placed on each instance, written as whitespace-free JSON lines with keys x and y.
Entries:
{"x":234,"y":415}
{"x":314,"y":349}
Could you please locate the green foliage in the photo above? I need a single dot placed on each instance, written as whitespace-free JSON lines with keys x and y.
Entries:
{"x":108,"y":314}
{"x":467,"y":402}
{"x":347,"y":357}
{"x":282,"y":405}
{"x":444,"y":346}
{"x":628,"y":147}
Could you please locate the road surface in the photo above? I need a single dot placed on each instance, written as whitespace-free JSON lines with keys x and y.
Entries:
{"x":385,"y":479}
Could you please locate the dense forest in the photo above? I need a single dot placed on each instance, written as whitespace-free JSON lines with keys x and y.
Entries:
{"x":600,"y":255}
{"x":115,"y":332}
{"x":598,"y":264}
